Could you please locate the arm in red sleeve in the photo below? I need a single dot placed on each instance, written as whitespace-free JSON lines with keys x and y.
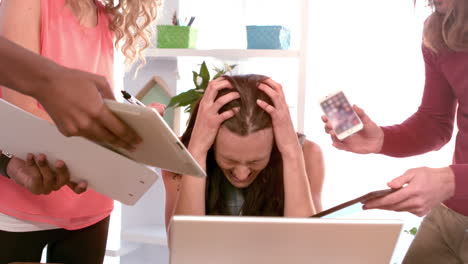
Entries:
{"x":461,"y":180}
{"x":431,"y":126}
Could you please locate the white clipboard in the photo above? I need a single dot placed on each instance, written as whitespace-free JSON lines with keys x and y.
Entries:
{"x":161,"y":147}
{"x":106,"y":171}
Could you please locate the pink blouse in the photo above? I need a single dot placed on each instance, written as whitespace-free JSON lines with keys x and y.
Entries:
{"x":65,"y":41}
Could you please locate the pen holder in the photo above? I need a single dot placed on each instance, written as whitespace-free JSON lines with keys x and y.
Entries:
{"x":176,"y":37}
{"x":268,"y":37}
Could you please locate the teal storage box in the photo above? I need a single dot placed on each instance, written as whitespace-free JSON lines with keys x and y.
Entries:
{"x":176,"y":37}
{"x":268,"y":37}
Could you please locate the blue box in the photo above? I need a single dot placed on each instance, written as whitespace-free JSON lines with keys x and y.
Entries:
{"x":268,"y":37}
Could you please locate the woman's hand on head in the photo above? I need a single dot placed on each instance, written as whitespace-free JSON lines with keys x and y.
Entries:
{"x":38,"y":177}
{"x":283,"y":128}
{"x":368,"y":140}
{"x":208,"y":119}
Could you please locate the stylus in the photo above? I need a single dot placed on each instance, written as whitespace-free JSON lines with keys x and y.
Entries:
{"x":131,"y":99}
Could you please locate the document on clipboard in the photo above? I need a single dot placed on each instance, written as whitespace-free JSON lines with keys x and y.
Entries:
{"x":122,"y":177}
{"x":363,"y":198}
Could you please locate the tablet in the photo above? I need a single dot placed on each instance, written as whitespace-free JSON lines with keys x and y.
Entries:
{"x":161,"y":147}
{"x":360,"y":199}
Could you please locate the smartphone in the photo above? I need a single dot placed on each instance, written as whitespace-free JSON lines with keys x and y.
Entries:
{"x":341,"y":115}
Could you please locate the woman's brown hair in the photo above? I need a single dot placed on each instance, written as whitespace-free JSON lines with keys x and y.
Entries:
{"x":448,"y":30}
{"x":265,"y":196}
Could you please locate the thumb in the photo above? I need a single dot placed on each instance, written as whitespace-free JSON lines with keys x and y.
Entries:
{"x":400,"y":181}
{"x":362,"y":115}
{"x":104,"y":88}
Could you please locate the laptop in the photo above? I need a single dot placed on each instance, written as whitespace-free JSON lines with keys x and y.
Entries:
{"x":280,"y":240}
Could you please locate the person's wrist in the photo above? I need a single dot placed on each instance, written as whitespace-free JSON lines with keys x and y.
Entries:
{"x":448,"y":181}
{"x":292,"y":152}
{"x":198,"y":154}
{"x":42,"y":81}
{"x":379,"y":140}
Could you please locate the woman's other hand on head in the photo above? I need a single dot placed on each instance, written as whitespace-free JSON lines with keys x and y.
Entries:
{"x":367,"y":140}
{"x":160,"y":108}
{"x":36,"y":175}
{"x":285,"y":134}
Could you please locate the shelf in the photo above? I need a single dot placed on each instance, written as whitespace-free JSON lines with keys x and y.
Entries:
{"x":223,"y":53}
{"x":151,"y":234}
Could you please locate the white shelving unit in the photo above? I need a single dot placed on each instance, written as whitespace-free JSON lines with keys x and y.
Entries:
{"x":223,"y":53}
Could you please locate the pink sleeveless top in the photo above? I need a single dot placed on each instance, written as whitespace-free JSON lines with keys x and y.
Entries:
{"x":66,"y":42}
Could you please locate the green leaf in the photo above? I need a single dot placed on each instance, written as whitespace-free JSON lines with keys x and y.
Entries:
{"x":412,"y":231}
{"x":186,"y":98}
{"x":219,"y":74}
{"x":195,"y":76}
{"x":205,"y":74}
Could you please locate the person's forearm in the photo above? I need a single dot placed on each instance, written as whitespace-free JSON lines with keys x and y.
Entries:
{"x":191,"y":200}
{"x":23,"y":70}
{"x":297,"y":195}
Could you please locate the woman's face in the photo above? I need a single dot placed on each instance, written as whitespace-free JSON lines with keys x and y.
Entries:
{"x":441,"y":6}
{"x":242,"y":158}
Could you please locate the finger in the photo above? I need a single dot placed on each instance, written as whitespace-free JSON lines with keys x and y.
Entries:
{"x":266,"y":107}
{"x":328,"y":128}
{"x":389,"y":200}
{"x":79,"y":187}
{"x":407,"y":206}
{"x":100,"y":134}
{"x":30,"y":160}
{"x":103,"y":87}
{"x":213,"y":88}
{"x":114,"y":131}
{"x":219,"y":79}
{"x":48,"y":177}
{"x":338,"y":145}
{"x":324,"y":118}
{"x":223,"y":100}
{"x":277,"y":87}
{"x":398,"y":182}
{"x":63,"y":176}
{"x":228,"y":114}
{"x":274,"y":95}
{"x":160,"y":108}
{"x":362,"y":115}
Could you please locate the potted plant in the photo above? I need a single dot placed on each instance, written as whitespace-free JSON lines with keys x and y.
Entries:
{"x":200,"y":80}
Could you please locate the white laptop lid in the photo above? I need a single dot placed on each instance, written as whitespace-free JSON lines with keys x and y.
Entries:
{"x":275,"y":240}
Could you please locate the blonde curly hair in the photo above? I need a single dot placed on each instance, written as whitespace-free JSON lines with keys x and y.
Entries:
{"x":130,"y":21}
{"x":448,"y":30}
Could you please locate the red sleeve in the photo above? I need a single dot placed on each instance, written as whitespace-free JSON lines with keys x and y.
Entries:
{"x":461,"y":180}
{"x":431,"y":126}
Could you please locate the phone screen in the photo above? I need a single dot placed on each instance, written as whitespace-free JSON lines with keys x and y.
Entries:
{"x":340,"y":113}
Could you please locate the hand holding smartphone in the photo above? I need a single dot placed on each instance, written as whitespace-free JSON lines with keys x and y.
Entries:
{"x":341,"y":115}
